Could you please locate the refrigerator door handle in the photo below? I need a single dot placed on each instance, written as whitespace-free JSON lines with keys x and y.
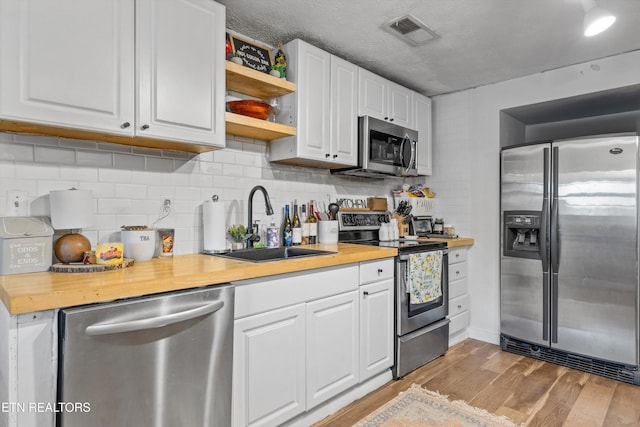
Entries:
{"x":544,"y":221}
{"x":544,"y":250}
{"x":555,"y":248}
{"x":555,"y":241}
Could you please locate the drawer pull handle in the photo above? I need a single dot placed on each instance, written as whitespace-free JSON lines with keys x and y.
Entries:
{"x":380,"y":271}
{"x":365,"y":293}
{"x":457,"y":272}
{"x":459,"y":306}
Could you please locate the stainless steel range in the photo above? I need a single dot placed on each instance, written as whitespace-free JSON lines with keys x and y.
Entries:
{"x":421,"y":325}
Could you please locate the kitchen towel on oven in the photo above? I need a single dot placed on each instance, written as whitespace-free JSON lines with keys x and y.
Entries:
{"x":424,"y":277}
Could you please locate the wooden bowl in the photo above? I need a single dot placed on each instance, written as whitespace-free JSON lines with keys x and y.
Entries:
{"x":251,"y":108}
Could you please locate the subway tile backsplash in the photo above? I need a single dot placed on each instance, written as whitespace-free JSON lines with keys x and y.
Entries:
{"x":128,"y":183}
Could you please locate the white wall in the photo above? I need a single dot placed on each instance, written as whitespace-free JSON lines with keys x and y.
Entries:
{"x":128,"y":183}
{"x":469,"y":121}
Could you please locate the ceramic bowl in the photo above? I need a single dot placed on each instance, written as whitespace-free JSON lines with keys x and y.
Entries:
{"x":251,"y":108}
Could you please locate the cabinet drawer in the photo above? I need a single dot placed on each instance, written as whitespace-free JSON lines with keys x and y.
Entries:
{"x":458,"y":305}
{"x":373,"y":271}
{"x":269,"y":293}
{"x":457,"y":288}
{"x":457,"y":255}
{"x":457,"y":271}
{"x":458,"y":322}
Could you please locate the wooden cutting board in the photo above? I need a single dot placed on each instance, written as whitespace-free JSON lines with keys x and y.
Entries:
{"x":90,"y":268}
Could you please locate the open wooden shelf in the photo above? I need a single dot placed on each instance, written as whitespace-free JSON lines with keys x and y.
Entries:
{"x":260,"y":85}
{"x":255,"y":83}
{"x":255,"y":128}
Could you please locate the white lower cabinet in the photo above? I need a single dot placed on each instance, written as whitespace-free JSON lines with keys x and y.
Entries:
{"x":458,"y":295}
{"x":28,"y":367}
{"x":376,"y":328}
{"x":269,"y":366}
{"x":332,"y":346}
{"x":376,"y":317}
{"x":308,"y":343}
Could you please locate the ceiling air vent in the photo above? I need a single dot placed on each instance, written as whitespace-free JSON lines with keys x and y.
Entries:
{"x":411,"y":29}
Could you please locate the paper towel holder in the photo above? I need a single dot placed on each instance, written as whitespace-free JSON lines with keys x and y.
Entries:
{"x":215,"y":199}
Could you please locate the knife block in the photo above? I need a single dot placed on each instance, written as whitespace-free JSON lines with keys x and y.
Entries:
{"x":403,"y":229}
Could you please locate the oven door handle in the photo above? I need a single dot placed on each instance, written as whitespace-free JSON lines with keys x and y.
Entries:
{"x":406,"y":257}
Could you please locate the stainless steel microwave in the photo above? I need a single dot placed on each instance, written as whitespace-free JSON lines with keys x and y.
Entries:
{"x":384,"y":149}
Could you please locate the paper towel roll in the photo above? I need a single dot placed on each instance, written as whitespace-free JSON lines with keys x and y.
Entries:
{"x":213,"y":226}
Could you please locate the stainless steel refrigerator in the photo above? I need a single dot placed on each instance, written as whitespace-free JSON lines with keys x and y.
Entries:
{"x":569,"y":253}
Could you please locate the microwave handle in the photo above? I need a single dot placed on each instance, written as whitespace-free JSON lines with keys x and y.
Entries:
{"x":412,"y":159}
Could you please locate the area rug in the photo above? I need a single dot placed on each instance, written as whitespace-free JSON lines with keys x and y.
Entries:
{"x":419,"y":407}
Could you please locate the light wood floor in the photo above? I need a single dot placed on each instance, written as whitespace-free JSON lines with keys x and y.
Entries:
{"x":526,"y":390}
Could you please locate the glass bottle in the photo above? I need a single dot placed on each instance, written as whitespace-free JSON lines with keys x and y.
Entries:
{"x":287,"y":230}
{"x":313,"y":225}
{"x":296,"y":235}
{"x":305,"y":224}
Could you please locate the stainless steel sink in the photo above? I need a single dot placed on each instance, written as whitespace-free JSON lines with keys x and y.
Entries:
{"x":273,"y":254}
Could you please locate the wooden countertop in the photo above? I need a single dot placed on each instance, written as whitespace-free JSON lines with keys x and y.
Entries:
{"x":452,"y":243}
{"x":24,"y":293}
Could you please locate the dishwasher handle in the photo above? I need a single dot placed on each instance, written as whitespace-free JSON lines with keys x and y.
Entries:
{"x":153,"y":322}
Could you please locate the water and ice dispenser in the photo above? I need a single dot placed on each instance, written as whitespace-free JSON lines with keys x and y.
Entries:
{"x":522,"y":234}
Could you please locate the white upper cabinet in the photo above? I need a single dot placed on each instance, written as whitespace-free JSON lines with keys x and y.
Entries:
{"x":68,"y":63}
{"x":313,"y":78}
{"x":344,"y":112}
{"x":383,"y":99}
{"x":323,"y":109}
{"x":421,"y":108}
{"x":120,"y":67}
{"x":180,"y":63}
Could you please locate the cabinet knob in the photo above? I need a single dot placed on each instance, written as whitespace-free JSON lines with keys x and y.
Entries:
{"x":327,"y":155}
{"x":459,"y":306}
{"x":365,"y":293}
{"x":386,"y":118}
{"x":144,"y":127}
{"x":457,"y":273}
{"x":390,"y":120}
{"x":125,"y":125}
{"x":380,"y":271}
{"x":457,"y":255}
{"x":335,"y":156}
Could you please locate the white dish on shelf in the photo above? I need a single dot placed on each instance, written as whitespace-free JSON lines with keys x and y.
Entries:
{"x":410,"y":237}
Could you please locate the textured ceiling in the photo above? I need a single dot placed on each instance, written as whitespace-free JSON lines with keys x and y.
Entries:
{"x":482,"y":41}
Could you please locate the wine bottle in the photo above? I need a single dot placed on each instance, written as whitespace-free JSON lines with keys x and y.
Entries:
{"x":313,"y":224}
{"x":287,"y":232}
{"x":296,"y":235}
{"x":305,"y":224}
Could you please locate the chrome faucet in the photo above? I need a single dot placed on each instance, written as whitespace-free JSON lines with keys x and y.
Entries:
{"x":253,"y":234}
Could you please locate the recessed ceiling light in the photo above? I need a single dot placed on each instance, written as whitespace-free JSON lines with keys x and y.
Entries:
{"x":596,"y":19}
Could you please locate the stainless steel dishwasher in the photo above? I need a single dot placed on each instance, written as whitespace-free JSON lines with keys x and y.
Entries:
{"x":156,"y":361}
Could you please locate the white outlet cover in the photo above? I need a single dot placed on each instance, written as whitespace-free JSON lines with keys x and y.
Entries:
{"x":17,"y":203}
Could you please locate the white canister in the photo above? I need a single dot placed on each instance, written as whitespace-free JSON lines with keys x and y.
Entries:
{"x":139,"y":244}
{"x":328,"y":231}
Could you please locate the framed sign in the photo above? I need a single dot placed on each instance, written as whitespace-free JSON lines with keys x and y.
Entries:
{"x":253,"y":54}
